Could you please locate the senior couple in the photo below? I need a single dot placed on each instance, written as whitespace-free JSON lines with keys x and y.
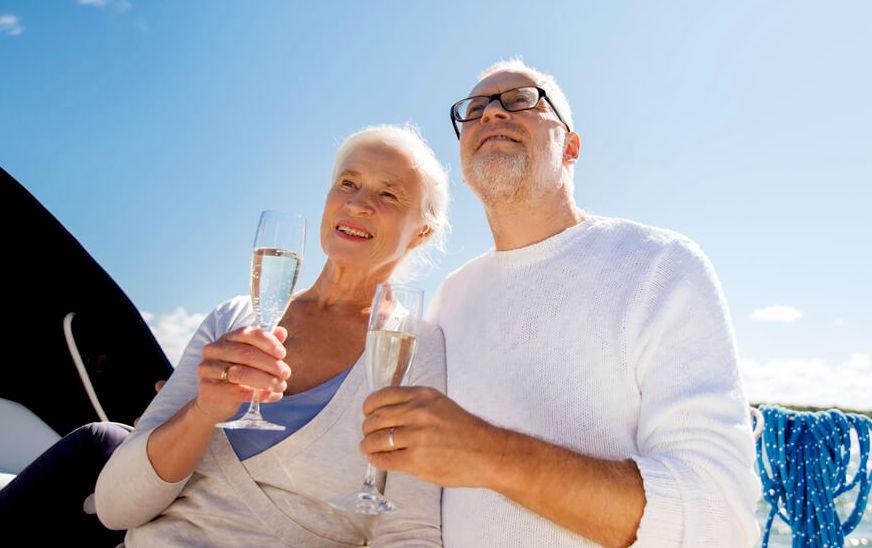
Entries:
{"x":575,"y":386}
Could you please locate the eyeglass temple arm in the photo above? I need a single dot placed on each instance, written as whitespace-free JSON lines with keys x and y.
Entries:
{"x":454,"y":122}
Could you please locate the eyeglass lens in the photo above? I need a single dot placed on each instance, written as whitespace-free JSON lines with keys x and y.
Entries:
{"x":512,"y":100}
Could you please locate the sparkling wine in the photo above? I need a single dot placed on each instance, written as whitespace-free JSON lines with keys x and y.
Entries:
{"x":274,"y":274}
{"x":390,"y":354}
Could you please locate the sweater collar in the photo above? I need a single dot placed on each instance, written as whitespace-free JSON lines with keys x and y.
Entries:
{"x":543,"y":250}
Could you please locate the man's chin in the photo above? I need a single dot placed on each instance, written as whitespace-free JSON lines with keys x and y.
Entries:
{"x":497,"y":176}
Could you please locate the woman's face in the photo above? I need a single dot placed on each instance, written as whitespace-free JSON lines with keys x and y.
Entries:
{"x":372,"y":216}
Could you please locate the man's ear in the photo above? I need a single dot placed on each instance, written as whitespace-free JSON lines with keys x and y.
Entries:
{"x":571,"y":148}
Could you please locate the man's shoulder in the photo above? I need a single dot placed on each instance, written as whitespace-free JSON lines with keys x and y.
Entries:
{"x":654,"y":253}
{"x":629,"y":237}
{"x":629,"y":231}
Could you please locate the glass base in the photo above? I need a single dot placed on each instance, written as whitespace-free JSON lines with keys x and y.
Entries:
{"x":252,"y":421}
{"x":370,"y":504}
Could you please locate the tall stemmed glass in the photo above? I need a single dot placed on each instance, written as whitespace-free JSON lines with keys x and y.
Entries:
{"x":390,"y":348}
{"x":275,"y":267}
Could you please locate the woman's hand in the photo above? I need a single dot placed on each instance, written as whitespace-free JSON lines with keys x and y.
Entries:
{"x":238,"y":364}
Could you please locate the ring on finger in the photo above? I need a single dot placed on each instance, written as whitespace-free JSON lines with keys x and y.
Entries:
{"x":391,"y":443}
{"x":225,"y":374}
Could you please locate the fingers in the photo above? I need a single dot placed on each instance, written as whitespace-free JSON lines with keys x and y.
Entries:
{"x":223,"y":392}
{"x":257,"y":337}
{"x":214,"y":371}
{"x":281,"y":334}
{"x":387,"y":439}
{"x":394,"y":461}
{"x":157,"y":386}
{"x":389,"y":416}
{"x":395,"y":395}
{"x":231,"y":351}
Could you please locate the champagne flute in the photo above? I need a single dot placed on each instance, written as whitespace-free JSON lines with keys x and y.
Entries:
{"x":391,"y":341}
{"x":275,"y":267}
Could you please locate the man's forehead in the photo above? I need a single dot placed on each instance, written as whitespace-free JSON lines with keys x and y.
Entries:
{"x":501,"y":81}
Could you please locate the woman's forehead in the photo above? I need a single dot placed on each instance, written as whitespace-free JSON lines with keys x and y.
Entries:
{"x":381,"y":161}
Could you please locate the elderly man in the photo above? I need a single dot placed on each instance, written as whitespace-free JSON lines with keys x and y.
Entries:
{"x":593,"y":393}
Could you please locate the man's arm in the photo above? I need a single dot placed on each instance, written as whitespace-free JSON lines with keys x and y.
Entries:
{"x":440,"y":442}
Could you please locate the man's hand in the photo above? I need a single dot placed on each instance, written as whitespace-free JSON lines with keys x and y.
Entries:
{"x":435,"y":439}
{"x":438,"y":441}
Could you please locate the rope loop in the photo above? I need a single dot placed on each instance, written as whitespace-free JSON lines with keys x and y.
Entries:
{"x":803,"y":460}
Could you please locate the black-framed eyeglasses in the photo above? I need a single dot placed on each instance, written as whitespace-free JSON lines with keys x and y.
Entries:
{"x":512,"y":100}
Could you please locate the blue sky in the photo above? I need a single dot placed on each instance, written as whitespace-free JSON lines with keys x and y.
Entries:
{"x":156,"y":132}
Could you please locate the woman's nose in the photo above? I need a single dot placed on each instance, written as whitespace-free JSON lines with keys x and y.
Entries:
{"x":359,"y":204}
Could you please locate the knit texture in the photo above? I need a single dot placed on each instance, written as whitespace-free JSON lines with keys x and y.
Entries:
{"x":611,"y":339}
{"x":277,"y":497}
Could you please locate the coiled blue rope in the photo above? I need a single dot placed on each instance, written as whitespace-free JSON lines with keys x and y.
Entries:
{"x":803,"y":462}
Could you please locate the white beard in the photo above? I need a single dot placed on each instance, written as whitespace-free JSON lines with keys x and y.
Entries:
{"x":498,"y":177}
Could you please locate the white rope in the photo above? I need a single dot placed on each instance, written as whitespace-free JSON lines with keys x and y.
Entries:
{"x":80,"y":366}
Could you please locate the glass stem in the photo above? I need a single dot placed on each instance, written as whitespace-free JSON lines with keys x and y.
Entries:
{"x":254,"y":406}
{"x":369,"y":479}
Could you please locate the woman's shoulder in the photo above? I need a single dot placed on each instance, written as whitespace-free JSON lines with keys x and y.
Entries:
{"x":231,"y":314}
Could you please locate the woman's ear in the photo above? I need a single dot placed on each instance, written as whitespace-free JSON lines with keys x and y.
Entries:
{"x":421,"y":237}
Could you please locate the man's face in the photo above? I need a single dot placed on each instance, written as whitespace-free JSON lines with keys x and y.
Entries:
{"x":509,"y":156}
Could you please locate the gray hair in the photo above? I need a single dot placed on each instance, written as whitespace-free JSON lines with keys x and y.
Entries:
{"x":543,"y":80}
{"x":434,"y":205}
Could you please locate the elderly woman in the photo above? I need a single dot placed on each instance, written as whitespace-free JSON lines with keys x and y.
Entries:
{"x":179,"y":480}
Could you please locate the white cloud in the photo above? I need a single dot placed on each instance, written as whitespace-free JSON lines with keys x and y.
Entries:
{"x":11,"y":25}
{"x":117,"y":5}
{"x":812,"y":381}
{"x":174,"y":330}
{"x":776,"y":313}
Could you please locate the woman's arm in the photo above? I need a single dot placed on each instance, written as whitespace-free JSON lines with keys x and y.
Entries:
{"x":150,"y":469}
{"x":254,"y":361}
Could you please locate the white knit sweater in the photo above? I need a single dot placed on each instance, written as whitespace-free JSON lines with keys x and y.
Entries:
{"x":611,"y":339}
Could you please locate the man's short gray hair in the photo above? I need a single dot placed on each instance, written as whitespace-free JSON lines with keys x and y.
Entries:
{"x":434,"y":205}
{"x":543,"y":80}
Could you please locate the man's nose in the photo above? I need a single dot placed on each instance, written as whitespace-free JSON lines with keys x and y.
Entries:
{"x":494,"y":109}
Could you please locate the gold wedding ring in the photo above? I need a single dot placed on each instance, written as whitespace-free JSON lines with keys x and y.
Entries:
{"x":225,"y":374}
{"x":391,"y":443}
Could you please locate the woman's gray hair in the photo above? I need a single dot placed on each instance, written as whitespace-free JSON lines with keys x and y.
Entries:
{"x":434,"y":205}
